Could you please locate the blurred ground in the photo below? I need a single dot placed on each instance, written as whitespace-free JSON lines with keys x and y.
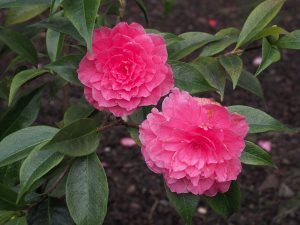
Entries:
{"x":270,"y":196}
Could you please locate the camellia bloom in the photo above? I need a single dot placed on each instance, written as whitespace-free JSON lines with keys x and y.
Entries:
{"x":127,"y":70}
{"x":195,"y":143}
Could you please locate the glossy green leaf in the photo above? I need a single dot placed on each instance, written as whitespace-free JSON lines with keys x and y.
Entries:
{"x":51,"y":212}
{"x":234,"y":66}
{"x":134,"y":134}
{"x":8,"y":198}
{"x":228,"y":37}
{"x":54,"y":44}
{"x":270,"y":55}
{"x":18,"y":145}
{"x":142,"y":6}
{"x":228,"y":203}
{"x":192,"y":41}
{"x":259,"y":18}
{"x":58,"y":189}
{"x":76,"y":112}
{"x":60,"y":24}
{"x":188,"y":78}
{"x":18,"y":43}
{"x":21,"y":78}
{"x":66,"y":68}
{"x":169,"y":37}
{"x":9,"y":175}
{"x":17,"y":221}
{"x":77,"y":139}
{"x":4,"y":87}
{"x":22,"y":113}
{"x":213,"y":73}
{"x":185,"y":205}
{"x":290,"y":41}
{"x":6,"y":215}
{"x":270,"y":31}
{"x":82,"y":14}
{"x":87,"y":185}
{"x":38,"y":163}
{"x":55,"y":4}
{"x":250,"y":83}
{"x":255,"y":155}
{"x":20,"y":3}
{"x":24,"y":13}
{"x":258,"y":120}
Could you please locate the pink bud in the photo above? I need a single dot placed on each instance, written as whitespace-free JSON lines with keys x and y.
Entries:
{"x":257,"y":61}
{"x":128,"y":142}
{"x":265,"y":144}
{"x":212,"y":23}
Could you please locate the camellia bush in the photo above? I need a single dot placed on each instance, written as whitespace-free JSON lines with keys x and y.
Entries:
{"x":146,"y":80}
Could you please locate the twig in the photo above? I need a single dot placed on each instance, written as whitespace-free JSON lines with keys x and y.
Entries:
{"x":116,"y":123}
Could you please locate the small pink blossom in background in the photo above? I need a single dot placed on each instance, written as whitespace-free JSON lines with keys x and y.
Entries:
{"x":128,"y":142}
{"x":128,"y":69}
{"x":104,"y":164}
{"x":195,"y":143}
{"x":212,"y":23}
{"x":257,"y":61}
{"x":265,"y":144}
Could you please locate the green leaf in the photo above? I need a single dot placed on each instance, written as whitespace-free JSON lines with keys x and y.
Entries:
{"x":228,"y":203}
{"x":7,"y":198}
{"x":59,"y":24}
{"x":185,"y":205}
{"x":18,"y":145}
{"x":229,"y":36}
{"x":192,"y":41}
{"x":77,"y":139}
{"x":258,"y":120}
{"x":18,"y":43}
{"x":9,"y":175}
{"x":259,"y":18}
{"x":66,"y":68}
{"x":270,"y":54}
{"x":38,"y":163}
{"x":188,"y":78}
{"x":290,"y":41}
{"x":17,"y":221}
{"x":213,"y":73}
{"x":255,"y":155}
{"x":134,"y":134}
{"x":76,"y":112}
{"x":55,"y":5}
{"x":82,"y":14}
{"x":20,"y":3}
{"x":169,"y":37}
{"x":21,"y":78}
{"x":22,"y":113}
{"x":142,"y":6}
{"x":24,"y":13}
{"x":87,"y":185}
{"x":250,"y":83}
{"x":6,"y":215}
{"x":271,"y":31}
{"x":51,"y":212}
{"x":4,"y":87}
{"x":54,"y":44}
{"x":234,"y":66}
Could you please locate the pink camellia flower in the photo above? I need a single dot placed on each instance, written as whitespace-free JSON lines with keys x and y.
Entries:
{"x":195,"y":143}
{"x":127,"y":70}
